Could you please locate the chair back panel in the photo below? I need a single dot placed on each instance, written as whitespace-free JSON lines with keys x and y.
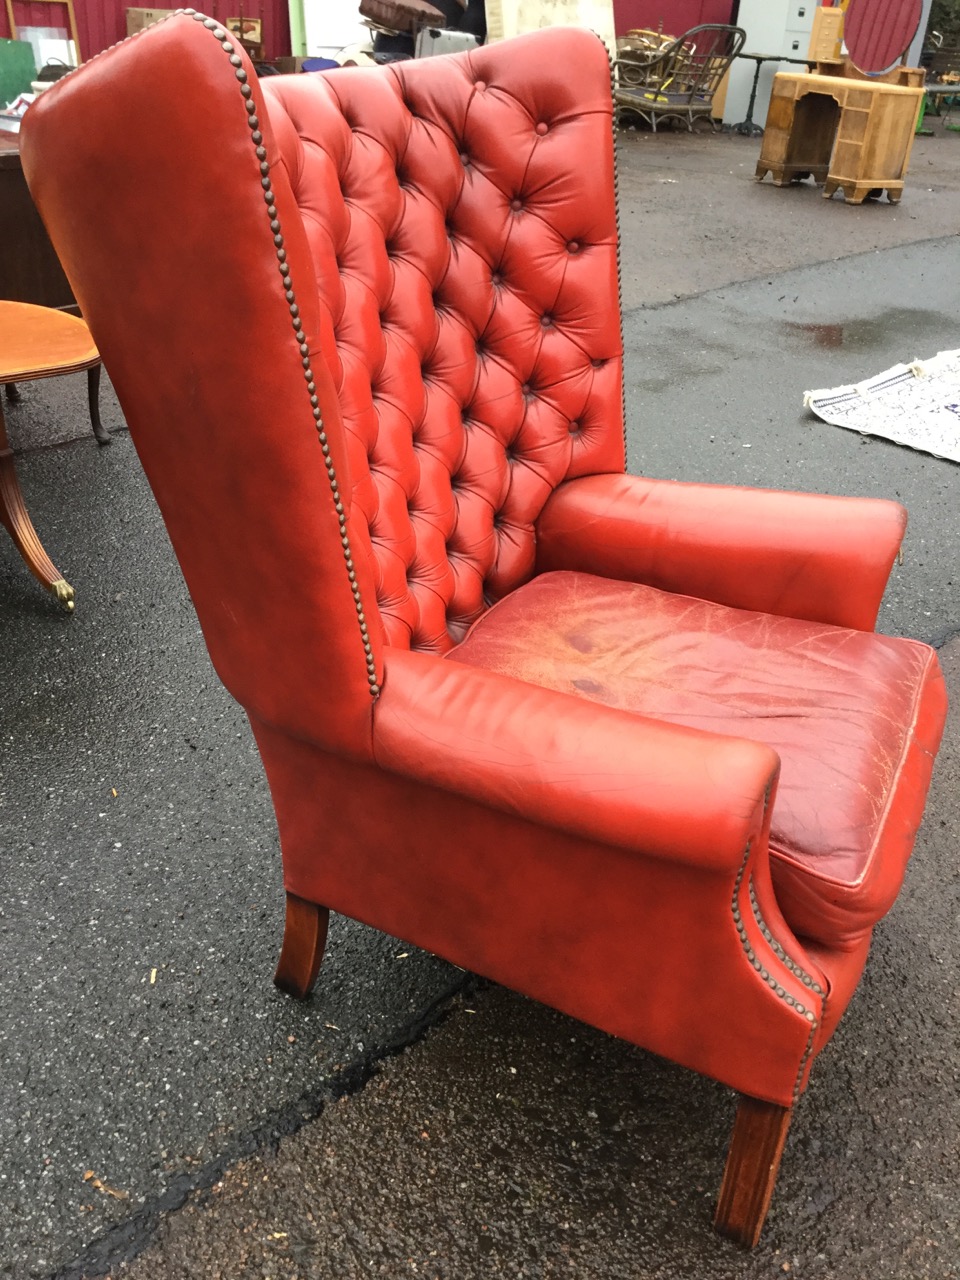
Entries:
{"x":461,"y":218}
{"x":155,"y":170}
{"x":714,"y":46}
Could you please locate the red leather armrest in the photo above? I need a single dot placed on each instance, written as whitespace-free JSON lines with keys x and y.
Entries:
{"x":663,"y":790}
{"x":800,"y":555}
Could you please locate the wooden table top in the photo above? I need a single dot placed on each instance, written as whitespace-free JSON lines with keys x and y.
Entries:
{"x":9,"y":150}
{"x":42,"y":342}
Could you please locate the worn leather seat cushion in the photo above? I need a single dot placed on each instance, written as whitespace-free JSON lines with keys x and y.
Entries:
{"x":855,"y":718}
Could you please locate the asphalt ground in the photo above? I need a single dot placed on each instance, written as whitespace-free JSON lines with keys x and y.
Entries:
{"x":165,"y":1113}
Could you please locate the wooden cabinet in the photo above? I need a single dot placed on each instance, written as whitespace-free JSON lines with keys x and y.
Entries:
{"x":827,"y":35}
{"x":29,"y":269}
{"x":851,"y":134}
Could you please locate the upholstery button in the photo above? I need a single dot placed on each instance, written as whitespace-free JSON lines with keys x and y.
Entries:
{"x":481,"y":349}
{"x":573,"y":426}
{"x":598,"y":364}
{"x":527,"y":389}
{"x":496,"y":278}
{"x":516,"y":204}
{"x":546,"y":322}
{"x":573,"y":246}
{"x":464,"y":159}
{"x":542,"y":128}
{"x":480,"y":86}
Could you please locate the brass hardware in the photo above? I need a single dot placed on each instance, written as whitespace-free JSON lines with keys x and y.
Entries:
{"x":64,"y":593}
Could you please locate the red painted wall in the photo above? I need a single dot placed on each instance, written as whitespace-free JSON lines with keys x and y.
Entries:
{"x":673,"y":17}
{"x":103,"y":22}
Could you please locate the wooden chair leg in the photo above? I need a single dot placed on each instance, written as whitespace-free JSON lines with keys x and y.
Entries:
{"x":304,"y":936}
{"x":759,"y":1134}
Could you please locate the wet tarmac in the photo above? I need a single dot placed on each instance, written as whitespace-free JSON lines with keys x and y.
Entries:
{"x":161,"y":1103}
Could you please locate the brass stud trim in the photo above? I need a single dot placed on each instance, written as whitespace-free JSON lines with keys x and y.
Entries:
{"x":807,"y":979}
{"x":616,"y":202}
{"x":266,"y":183}
{"x":791,"y":1001}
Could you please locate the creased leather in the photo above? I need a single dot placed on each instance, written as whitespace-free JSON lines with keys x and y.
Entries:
{"x":594,"y":771}
{"x":854,"y":717}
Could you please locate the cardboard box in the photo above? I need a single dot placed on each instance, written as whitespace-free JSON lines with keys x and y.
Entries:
{"x":137,"y":19}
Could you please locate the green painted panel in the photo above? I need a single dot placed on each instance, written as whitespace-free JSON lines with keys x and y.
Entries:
{"x":17,"y":69}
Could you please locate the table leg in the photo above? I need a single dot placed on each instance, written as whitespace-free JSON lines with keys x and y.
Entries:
{"x":921,"y":132}
{"x":93,"y":395}
{"x":16,"y":519}
{"x":747,"y":127}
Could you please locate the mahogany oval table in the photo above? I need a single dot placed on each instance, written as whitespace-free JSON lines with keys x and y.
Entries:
{"x":40,"y":342}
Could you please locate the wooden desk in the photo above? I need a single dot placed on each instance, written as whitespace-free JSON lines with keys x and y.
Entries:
{"x":29,"y":269}
{"x":851,"y":134}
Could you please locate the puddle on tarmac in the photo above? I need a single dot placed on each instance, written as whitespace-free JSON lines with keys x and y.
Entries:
{"x":908,"y":325}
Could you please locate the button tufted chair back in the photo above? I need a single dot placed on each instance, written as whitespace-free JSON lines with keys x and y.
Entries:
{"x":413,"y":267}
{"x":462,"y":226}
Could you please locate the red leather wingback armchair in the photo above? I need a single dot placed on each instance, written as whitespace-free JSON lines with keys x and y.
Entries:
{"x":514,"y":705}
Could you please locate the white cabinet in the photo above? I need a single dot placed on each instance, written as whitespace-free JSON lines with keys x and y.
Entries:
{"x":780,"y":27}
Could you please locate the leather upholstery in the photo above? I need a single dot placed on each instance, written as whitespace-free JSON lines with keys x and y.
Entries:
{"x":802,"y":555}
{"x":477,"y":360}
{"x":854,"y":719}
{"x":364,"y":329}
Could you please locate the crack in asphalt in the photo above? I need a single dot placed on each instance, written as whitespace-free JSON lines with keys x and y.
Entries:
{"x":125,"y":1241}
